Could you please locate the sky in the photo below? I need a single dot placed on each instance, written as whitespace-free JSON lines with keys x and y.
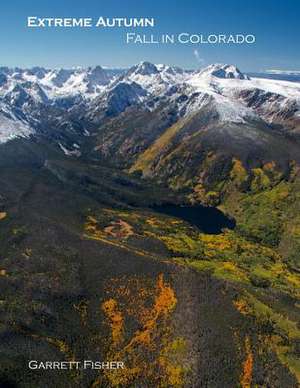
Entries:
{"x":274,"y":23}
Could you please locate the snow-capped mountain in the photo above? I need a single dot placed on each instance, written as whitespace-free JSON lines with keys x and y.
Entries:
{"x":116,"y":99}
{"x":12,"y":125}
{"x":223,"y":71}
{"x":271,"y":100}
{"x":40,"y":99}
{"x":58,"y":82}
{"x":26,"y":92}
{"x":154,"y":78}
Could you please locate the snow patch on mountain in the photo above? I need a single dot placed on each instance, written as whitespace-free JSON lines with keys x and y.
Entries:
{"x":12,"y":126}
{"x":67,"y":152}
{"x":234,"y":112}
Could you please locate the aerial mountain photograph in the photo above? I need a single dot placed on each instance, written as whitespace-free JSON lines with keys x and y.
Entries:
{"x":150,"y":194}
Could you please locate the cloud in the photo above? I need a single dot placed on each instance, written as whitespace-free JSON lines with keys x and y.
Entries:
{"x":197,"y":56}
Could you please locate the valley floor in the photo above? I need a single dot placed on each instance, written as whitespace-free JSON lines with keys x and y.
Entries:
{"x":89,"y":271}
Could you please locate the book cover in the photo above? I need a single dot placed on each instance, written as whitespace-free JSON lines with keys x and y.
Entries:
{"x":149,"y":194}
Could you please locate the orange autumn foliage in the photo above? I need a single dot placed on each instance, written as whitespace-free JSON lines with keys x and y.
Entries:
{"x":242,"y":306}
{"x":246,"y":376}
{"x":149,"y":340}
{"x":116,"y":319}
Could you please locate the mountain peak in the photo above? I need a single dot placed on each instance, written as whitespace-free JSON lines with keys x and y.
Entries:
{"x":97,"y":75}
{"x":145,"y":68}
{"x":60,"y":76}
{"x":220,"y":70}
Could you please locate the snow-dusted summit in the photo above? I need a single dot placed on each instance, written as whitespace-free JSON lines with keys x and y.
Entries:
{"x":223,"y":71}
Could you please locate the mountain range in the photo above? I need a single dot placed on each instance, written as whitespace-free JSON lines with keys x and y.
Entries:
{"x":236,"y":97}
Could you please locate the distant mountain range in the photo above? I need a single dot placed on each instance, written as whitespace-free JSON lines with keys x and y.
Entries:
{"x":278,"y":75}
